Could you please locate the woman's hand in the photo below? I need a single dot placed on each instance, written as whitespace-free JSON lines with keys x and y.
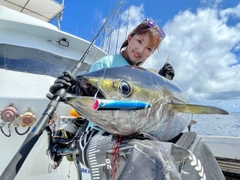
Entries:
{"x":167,"y":71}
{"x":64,"y":81}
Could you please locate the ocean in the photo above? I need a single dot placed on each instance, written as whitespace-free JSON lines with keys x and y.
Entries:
{"x":217,"y":125}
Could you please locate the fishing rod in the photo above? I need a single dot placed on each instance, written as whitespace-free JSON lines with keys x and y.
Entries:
{"x":17,"y":161}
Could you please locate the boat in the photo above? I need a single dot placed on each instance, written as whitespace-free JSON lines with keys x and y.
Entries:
{"x":226,"y":151}
{"x":33,"y":52}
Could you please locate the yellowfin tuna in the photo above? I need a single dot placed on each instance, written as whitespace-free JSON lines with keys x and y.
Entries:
{"x":167,"y":117}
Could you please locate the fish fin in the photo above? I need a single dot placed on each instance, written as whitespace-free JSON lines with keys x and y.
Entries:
{"x":193,"y":122}
{"x":197,"y":109}
{"x":190,"y":124}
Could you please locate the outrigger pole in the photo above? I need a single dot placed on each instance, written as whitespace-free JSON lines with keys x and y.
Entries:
{"x":17,"y":161}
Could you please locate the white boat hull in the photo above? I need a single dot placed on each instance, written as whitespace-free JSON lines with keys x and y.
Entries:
{"x":226,"y":150}
{"x":30,"y":43}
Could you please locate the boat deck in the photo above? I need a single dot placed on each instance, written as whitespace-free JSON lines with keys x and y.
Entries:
{"x":230,"y":167}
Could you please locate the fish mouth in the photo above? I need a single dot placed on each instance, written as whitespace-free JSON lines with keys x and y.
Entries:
{"x":87,"y":89}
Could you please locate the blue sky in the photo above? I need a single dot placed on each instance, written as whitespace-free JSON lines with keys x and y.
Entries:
{"x":203,"y":41}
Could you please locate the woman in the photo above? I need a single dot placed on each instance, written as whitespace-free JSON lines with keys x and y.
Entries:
{"x":139,"y":45}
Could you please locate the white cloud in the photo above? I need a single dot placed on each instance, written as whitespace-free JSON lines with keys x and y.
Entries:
{"x":230,"y":12}
{"x":200,"y":46}
{"x":203,"y":50}
{"x":211,"y":3}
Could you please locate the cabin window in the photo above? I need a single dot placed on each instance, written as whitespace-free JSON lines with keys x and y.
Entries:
{"x":36,"y":61}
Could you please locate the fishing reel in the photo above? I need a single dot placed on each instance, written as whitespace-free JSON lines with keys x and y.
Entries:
{"x":63,"y":138}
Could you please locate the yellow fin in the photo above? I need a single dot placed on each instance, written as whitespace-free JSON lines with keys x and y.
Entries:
{"x":197,"y":109}
{"x":190,"y":124}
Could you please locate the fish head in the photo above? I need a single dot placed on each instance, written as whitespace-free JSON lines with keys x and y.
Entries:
{"x":132,"y":84}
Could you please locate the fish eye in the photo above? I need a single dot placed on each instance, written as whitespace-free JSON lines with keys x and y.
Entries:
{"x":125,"y":88}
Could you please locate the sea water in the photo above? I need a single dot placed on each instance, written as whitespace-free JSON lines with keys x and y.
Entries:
{"x":217,"y":125}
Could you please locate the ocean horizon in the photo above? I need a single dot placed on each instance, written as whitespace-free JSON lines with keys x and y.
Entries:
{"x":217,"y":125}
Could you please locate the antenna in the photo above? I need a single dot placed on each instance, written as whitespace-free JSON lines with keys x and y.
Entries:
{"x":104,"y":32}
{"x":110,"y":28}
{"x":127,"y":20}
{"x":118,"y":33}
{"x":94,"y":29}
{"x":60,"y":16}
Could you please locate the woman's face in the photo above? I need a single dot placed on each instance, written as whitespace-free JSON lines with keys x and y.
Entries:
{"x":139,"y":48}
